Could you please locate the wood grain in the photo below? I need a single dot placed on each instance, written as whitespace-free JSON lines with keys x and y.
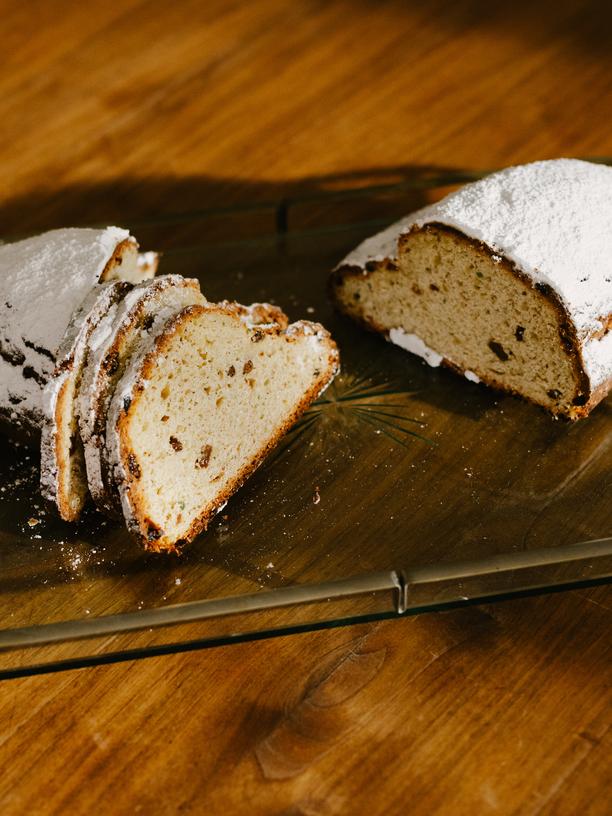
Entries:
{"x":151,"y":107}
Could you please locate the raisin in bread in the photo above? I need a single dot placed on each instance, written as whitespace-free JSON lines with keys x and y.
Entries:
{"x":507,"y":281}
{"x":111,"y":346}
{"x":200,"y":405}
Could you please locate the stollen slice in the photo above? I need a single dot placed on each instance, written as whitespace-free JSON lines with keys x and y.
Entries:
{"x":207,"y":396}
{"x":111,"y":346}
{"x":63,"y":479}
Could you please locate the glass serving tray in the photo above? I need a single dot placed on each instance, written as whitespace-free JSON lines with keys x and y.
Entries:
{"x":403,"y":489}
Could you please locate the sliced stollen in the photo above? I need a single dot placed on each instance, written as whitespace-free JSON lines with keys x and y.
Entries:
{"x":63,"y":479}
{"x":262,"y":315}
{"x":508,"y":281}
{"x":43,"y":281}
{"x":111,"y":345}
{"x":204,"y":400}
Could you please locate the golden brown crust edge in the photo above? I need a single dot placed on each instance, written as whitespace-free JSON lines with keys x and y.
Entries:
{"x":67,"y":513}
{"x":116,"y":259}
{"x":586,"y":397}
{"x":162,"y":544}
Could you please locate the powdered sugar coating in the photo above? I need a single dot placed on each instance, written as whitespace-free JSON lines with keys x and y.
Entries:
{"x":43,"y":280}
{"x":415,"y":345}
{"x":379,"y":247}
{"x":597,"y":359}
{"x":553,"y":221}
{"x":258,"y":315}
{"x":147,"y":263}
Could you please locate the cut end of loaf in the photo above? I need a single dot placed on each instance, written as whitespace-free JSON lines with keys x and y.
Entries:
{"x":63,"y":469}
{"x":63,"y":478}
{"x":124,"y":263}
{"x":204,"y":409}
{"x":452,"y":301}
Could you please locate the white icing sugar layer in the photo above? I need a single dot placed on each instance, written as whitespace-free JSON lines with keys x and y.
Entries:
{"x":597,"y":358}
{"x":43,"y":280}
{"x":414,"y":344}
{"x":379,"y":247}
{"x":553,"y":220}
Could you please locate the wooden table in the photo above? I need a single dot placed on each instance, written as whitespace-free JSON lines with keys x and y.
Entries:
{"x":500,"y":709}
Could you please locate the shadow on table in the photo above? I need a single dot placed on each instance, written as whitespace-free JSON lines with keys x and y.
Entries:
{"x":130,"y":200}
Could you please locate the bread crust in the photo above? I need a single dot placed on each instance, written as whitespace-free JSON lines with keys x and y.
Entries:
{"x":116,"y":259}
{"x":585,"y":397}
{"x":136,"y":517}
{"x":53,"y":458}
